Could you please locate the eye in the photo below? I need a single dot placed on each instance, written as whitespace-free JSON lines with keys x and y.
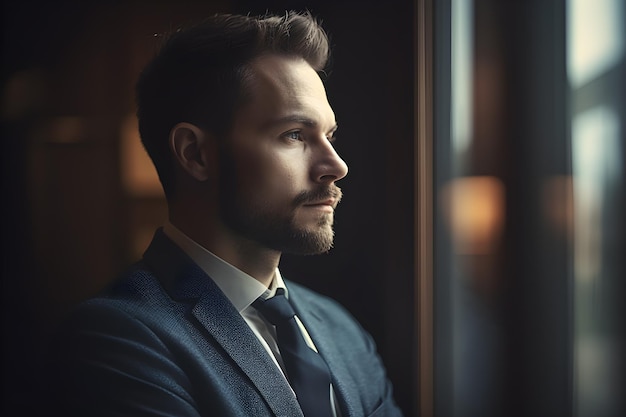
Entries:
{"x":332,"y":135}
{"x":294,"y":135}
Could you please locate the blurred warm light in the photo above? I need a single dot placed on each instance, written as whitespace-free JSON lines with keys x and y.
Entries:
{"x":139,"y":176}
{"x":65,"y":129}
{"x":474,"y":209}
{"x":558,"y":204}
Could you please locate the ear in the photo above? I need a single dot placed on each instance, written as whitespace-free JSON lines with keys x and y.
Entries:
{"x":190,"y":146}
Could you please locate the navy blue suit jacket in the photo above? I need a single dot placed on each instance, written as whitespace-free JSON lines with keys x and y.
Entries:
{"x":165,"y":341}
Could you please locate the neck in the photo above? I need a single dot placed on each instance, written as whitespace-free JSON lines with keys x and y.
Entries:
{"x":248,"y":256}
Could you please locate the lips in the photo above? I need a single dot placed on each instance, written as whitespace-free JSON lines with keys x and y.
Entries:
{"x":328,"y":202}
{"x":322,"y":197}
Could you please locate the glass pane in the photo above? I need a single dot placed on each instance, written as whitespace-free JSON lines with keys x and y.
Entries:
{"x":595,"y":44}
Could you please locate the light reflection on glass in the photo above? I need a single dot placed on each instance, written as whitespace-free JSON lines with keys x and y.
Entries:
{"x":462,"y":58}
{"x":596,"y":165}
{"x":595,"y":38}
{"x":597,"y":172}
{"x":595,"y":42}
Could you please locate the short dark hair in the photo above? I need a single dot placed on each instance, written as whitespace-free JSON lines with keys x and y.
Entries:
{"x":199,"y":73}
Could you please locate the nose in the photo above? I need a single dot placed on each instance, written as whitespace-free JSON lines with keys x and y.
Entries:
{"x":328,"y":166}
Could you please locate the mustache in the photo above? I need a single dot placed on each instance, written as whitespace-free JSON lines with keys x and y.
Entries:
{"x":321,"y":193}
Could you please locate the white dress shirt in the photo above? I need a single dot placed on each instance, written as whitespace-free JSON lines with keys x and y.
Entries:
{"x":242,"y":290}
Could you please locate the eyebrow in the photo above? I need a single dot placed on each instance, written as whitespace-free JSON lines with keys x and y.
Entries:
{"x":295,"y":118}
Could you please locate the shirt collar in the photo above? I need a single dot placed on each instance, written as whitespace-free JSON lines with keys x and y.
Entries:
{"x":240,"y":288}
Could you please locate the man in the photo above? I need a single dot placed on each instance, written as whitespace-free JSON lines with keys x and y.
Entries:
{"x":236,"y":120}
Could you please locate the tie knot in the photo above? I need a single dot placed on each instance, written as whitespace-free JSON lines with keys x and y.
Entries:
{"x":276,"y":309}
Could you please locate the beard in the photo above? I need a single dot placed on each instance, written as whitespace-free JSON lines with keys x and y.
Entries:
{"x":273,"y":228}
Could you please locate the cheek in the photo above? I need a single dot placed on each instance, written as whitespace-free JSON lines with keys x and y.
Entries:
{"x":269,"y":177}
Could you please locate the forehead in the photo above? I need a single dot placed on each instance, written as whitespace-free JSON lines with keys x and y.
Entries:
{"x":279,"y":86}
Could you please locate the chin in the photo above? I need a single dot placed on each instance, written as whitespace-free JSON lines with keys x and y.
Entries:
{"x":313,"y":242}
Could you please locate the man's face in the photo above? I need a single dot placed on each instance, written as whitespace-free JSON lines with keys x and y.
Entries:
{"x":278,"y":167}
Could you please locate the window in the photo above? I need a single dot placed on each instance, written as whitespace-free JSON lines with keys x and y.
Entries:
{"x":527,"y":175}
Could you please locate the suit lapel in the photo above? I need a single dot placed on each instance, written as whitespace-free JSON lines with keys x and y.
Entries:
{"x":229,"y":329}
{"x":184,"y":280}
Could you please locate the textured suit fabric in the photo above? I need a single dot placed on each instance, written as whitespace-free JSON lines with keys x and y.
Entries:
{"x":165,"y":341}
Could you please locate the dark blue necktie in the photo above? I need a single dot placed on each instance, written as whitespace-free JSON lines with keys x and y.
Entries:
{"x":307,"y":371}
